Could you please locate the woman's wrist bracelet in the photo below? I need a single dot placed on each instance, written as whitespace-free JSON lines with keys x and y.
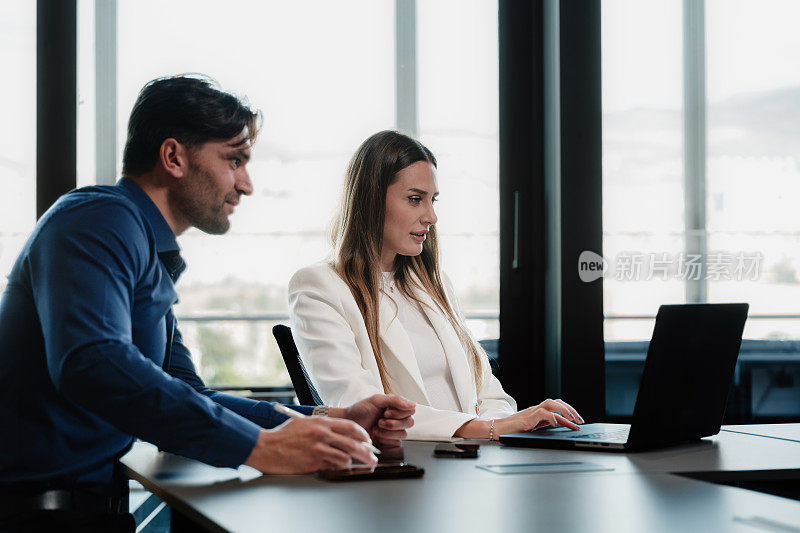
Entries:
{"x":491,"y":430}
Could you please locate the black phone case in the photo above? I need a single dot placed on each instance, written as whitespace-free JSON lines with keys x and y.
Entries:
{"x":463,"y":454}
{"x":380,"y":472}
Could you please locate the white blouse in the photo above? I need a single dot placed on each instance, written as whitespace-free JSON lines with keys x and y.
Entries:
{"x":427,"y":346}
{"x":330,"y":333}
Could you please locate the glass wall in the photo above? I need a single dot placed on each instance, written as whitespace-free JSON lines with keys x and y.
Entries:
{"x":754,"y":156}
{"x":754,"y":188}
{"x":642,"y":161}
{"x":18,"y":136}
{"x":747,"y":185}
{"x":323,"y":88}
{"x":458,"y":121}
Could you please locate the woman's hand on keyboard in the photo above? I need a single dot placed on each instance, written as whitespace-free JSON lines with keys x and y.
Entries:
{"x":548,"y":413}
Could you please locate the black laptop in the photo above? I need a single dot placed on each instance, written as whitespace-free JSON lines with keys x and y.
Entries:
{"x":684,"y":387}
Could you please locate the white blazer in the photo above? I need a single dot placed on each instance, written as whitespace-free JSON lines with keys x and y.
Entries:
{"x":333,"y":343}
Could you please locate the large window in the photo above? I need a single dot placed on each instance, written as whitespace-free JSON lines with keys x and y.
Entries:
{"x":458,"y":120}
{"x":753,"y":185}
{"x":18,"y":134}
{"x":323,"y":88}
{"x":701,"y":167}
{"x":642,"y":159}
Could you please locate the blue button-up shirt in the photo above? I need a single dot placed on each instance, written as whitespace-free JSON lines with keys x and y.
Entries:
{"x":90,"y":355}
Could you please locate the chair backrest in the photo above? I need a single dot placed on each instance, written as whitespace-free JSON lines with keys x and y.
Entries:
{"x":306,"y":393}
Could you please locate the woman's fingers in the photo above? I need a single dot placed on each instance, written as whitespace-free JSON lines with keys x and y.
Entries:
{"x":574,"y":416}
{"x":541,"y":423}
{"x":559,"y":420}
{"x":551,"y":405}
{"x":563,"y":408}
{"x":542,"y":417}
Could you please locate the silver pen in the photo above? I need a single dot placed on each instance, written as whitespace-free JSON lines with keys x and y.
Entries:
{"x":295,"y":414}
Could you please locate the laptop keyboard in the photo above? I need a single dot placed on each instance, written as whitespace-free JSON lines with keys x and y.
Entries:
{"x":611,"y":434}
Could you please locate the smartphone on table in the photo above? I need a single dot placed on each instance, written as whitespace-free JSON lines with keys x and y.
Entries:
{"x":358,"y":473}
{"x":457,"y":449}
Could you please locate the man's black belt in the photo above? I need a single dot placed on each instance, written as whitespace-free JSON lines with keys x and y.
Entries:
{"x":62,"y":500}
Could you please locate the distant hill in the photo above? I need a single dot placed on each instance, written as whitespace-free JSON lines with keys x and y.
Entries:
{"x":757,"y":124}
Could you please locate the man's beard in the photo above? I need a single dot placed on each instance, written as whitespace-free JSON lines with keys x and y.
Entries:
{"x":196,"y":203}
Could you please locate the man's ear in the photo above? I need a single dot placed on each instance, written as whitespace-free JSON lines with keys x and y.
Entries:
{"x":174,"y":158}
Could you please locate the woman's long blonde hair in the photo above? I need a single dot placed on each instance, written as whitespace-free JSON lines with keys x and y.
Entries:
{"x":358,"y":238}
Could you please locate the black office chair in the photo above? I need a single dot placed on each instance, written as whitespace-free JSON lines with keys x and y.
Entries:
{"x":490,"y":347}
{"x":306,"y":393}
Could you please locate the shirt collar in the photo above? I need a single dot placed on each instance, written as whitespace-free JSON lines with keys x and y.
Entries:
{"x":165,"y":238}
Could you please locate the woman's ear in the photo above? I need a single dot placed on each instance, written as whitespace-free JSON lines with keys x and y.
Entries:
{"x":174,"y":158}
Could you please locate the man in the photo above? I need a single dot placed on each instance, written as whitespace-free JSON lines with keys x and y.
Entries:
{"x":90,"y":355}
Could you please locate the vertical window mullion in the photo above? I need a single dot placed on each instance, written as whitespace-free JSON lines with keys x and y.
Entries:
{"x":406,"y":116}
{"x":552,"y":191}
{"x":106,"y":92}
{"x":56,"y":100}
{"x":694,"y":157}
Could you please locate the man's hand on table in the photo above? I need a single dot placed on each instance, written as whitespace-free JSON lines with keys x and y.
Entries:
{"x":385,"y":417}
{"x":305,"y":445}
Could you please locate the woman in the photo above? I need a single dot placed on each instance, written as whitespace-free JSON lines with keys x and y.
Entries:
{"x":382,"y":318}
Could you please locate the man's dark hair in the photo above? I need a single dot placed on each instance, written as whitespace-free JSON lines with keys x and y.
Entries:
{"x":189,"y":109}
